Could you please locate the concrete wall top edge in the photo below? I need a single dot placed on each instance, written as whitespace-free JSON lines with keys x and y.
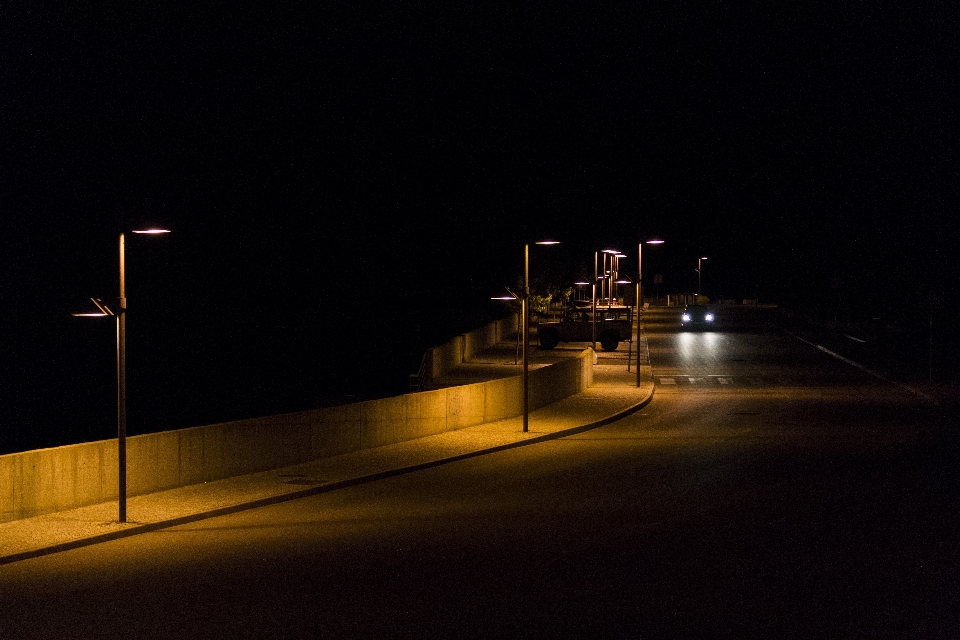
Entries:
{"x":358,"y":406}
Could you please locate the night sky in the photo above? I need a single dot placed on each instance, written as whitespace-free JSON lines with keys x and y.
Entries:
{"x":347,"y":185}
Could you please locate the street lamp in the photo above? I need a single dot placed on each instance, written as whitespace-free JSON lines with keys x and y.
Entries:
{"x":607,"y":274}
{"x":581,"y":284}
{"x":640,"y":295}
{"x":640,"y":271}
{"x":600,"y":277}
{"x":525,"y":312}
{"x":615,"y":276}
{"x":626,"y":280}
{"x":121,"y":314}
{"x":699,"y":266}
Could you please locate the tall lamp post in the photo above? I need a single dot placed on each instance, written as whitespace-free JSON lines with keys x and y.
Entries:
{"x":699,"y":267}
{"x":601,"y":278}
{"x":122,"y":373}
{"x":615,"y":277}
{"x":120,"y":311}
{"x":640,"y":271}
{"x":525,"y":321}
{"x":581,"y":284}
{"x":593,"y":303}
{"x":640,"y":295}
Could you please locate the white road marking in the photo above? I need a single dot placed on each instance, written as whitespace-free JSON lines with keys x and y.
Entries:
{"x":919,"y":393}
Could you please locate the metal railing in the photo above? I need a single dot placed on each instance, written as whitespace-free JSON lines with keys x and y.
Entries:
{"x":418,"y":380}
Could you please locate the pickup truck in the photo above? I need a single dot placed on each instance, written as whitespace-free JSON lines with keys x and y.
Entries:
{"x":613,"y":324}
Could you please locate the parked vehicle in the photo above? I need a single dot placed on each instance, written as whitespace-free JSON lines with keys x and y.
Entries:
{"x":610,"y":325}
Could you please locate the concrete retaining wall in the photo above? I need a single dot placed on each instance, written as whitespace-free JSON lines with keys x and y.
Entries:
{"x":49,"y":480}
{"x":466,"y":346}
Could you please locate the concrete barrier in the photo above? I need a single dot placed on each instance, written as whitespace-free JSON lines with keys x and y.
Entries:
{"x":458,"y":350}
{"x":62,"y":478}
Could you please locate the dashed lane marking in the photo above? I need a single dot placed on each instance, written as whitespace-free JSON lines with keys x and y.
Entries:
{"x":710,"y":380}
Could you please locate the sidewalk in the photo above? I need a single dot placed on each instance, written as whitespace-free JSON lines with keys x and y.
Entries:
{"x":614,"y":394}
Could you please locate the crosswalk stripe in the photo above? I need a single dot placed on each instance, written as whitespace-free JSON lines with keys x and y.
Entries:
{"x":752,"y":381}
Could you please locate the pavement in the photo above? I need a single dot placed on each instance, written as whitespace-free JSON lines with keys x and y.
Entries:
{"x":614,"y":394}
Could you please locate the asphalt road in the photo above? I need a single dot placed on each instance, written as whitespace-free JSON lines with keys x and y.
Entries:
{"x":769,"y":490}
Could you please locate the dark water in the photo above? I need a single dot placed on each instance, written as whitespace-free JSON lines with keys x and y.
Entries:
{"x":59,"y":381}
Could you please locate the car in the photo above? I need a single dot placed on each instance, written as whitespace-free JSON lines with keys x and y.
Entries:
{"x":613,"y":324}
{"x":696,"y":315}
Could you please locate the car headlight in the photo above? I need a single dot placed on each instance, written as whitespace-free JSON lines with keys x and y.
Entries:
{"x":709,"y":317}
{"x":685,"y":317}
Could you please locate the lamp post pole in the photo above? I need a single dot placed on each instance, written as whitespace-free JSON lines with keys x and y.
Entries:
{"x":640,"y":296}
{"x":617,"y":279}
{"x":525,"y":321}
{"x":122,"y":386}
{"x":639,"y":280}
{"x":122,"y":377}
{"x":699,"y":267}
{"x":525,"y":313}
{"x":120,"y":311}
{"x":639,"y":302}
{"x":593,"y":303}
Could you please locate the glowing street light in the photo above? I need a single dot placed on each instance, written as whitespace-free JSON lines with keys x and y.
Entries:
{"x":120,"y":312}
{"x":699,"y":267}
{"x":525,"y":312}
{"x":607,"y":274}
{"x":640,"y":271}
{"x":653,"y":241}
{"x":581,"y":284}
{"x":600,"y":277}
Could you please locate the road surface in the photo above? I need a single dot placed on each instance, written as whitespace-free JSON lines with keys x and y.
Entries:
{"x":769,"y":490}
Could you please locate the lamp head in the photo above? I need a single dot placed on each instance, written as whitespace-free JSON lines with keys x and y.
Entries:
{"x":103,"y":310}
{"x":150,"y":231}
{"x":151,"y":221}
{"x":512,"y":296}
